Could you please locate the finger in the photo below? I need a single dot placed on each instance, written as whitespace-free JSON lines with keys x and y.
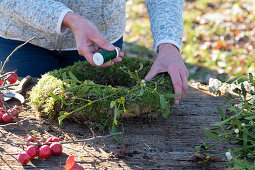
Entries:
{"x":116,"y":60}
{"x":184,"y":78}
{"x":121,"y":54}
{"x":84,"y":51}
{"x":102,"y":42}
{"x":152,"y":73}
{"x":107,"y":64}
{"x":177,"y":83}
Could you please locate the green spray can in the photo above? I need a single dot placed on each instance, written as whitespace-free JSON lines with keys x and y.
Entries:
{"x":103,"y":56}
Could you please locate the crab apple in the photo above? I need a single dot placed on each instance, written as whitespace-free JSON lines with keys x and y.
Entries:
{"x":77,"y":167}
{"x":13,"y":78}
{"x":13,"y":111}
{"x":2,"y":110}
{"x":30,"y":139}
{"x":45,"y":151}
{"x":32,"y":151}
{"x":49,"y":140}
{"x":56,"y":148}
{"x":7,"y":118}
{"x":1,"y":117}
{"x":23,"y":158}
{"x":52,"y":139}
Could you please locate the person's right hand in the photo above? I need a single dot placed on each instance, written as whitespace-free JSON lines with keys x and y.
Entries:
{"x":88,"y":39}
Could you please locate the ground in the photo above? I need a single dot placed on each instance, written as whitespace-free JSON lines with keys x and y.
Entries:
{"x":148,"y":143}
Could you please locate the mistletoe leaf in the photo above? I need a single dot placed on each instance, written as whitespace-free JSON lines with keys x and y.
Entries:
{"x":73,"y":76}
{"x":112,"y":104}
{"x":141,"y":92}
{"x":222,"y":122}
{"x":221,"y":113}
{"x":54,"y":96}
{"x":212,"y":135}
{"x":133,"y":76}
{"x":141,"y":67}
{"x":162,"y":102}
{"x":166,"y":113}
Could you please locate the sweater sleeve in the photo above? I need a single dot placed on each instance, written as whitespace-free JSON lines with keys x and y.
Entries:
{"x":166,"y":22}
{"x":44,"y":15}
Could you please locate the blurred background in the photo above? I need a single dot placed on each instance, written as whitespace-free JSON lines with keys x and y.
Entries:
{"x":218,"y":40}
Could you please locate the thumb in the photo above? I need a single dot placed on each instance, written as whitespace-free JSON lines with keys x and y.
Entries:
{"x":152,"y":73}
{"x":103,"y":43}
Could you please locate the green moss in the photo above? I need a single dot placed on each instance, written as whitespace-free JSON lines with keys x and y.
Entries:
{"x":75,"y":94}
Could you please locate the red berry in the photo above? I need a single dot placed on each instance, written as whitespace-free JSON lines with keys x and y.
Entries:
{"x":7,"y":118}
{"x":13,"y":111}
{"x":1,"y":82}
{"x":45,"y":151}
{"x":23,"y":158}
{"x":13,"y":78}
{"x":32,"y":151}
{"x":56,"y":148}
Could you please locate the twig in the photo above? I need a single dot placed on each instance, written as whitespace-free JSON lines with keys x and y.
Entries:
{"x":75,"y":141}
{"x":89,"y":139}
{"x":7,"y":59}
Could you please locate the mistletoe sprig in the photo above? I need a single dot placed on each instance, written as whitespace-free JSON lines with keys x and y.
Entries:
{"x":237,"y":122}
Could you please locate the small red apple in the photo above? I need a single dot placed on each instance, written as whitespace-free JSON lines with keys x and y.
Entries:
{"x":23,"y":158}
{"x":77,"y":167}
{"x":13,"y":78}
{"x":13,"y":111}
{"x":54,"y":139}
{"x":32,"y":151}
{"x":71,"y":164}
{"x":1,"y":117}
{"x":56,"y":148}
{"x":2,"y":110}
{"x":49,"y":140}
{"x":7,"y":118}
{"x":45,"y":151}
{"x":30,"y":139}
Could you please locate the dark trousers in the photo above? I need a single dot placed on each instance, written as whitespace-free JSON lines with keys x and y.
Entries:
{"x":35,"y":61}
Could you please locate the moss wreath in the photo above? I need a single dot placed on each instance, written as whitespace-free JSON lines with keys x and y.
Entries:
{"x":101,"y":96}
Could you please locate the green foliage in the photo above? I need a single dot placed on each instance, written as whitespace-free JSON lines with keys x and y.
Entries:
{"x":236,"y":125}
{"x":100,"y":96}
{"x":238,"y":164}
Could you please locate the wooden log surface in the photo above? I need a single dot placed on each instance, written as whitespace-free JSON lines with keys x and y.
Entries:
{"x":148,"y":143}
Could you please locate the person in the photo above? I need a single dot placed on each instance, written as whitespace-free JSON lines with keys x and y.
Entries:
{"x":69,"y":30}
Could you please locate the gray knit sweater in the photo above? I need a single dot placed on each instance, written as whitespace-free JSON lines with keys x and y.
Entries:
{"x":23,"y":19}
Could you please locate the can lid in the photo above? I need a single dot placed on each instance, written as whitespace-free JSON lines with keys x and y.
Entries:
{"x":98,"y":59}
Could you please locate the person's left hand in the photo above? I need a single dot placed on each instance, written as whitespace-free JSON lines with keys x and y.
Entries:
{"x":169,"y":60}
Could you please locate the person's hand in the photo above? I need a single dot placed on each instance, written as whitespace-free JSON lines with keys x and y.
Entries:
{"x":88,"y":39}
{"x":169,"y":60}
